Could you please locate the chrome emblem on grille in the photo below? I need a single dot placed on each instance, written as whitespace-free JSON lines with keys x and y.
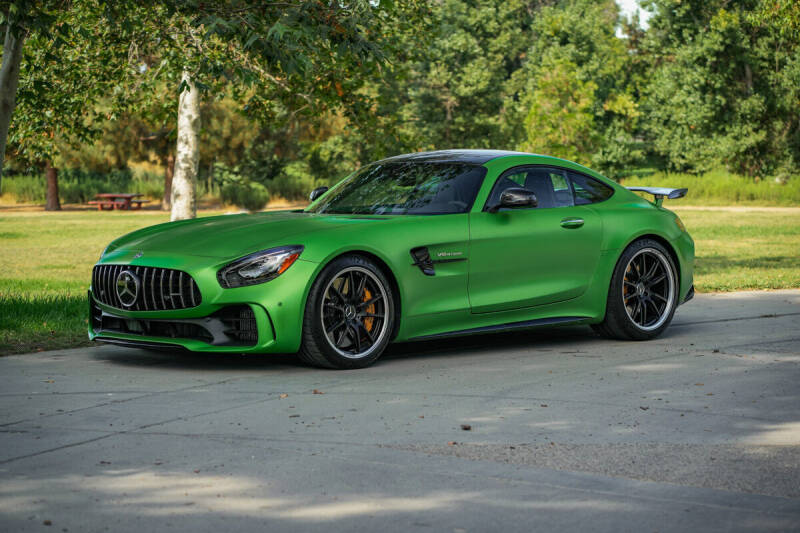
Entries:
{"x":127,"y":287}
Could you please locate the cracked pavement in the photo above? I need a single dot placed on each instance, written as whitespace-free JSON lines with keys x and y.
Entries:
{"x":699,"y":429}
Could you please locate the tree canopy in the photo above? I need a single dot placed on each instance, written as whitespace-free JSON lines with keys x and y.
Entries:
{"x":298,"y":93}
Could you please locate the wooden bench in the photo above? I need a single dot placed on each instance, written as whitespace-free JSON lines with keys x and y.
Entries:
{"x":103,"y":205}
{"x":111,"y":201}
{"x":137,"y":204}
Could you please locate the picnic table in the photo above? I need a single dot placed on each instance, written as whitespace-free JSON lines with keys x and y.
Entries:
{"x":117,"y":200}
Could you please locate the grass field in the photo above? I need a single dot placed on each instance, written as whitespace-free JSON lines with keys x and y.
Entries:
{"x":46,"y":261}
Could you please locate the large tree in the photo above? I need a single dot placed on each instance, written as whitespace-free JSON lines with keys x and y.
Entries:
{"x":63,"y":74}
{"x":18,"y":20}
{"x":722,"y":84}
{"x":577,"y":99}
{"x":301,"y":53}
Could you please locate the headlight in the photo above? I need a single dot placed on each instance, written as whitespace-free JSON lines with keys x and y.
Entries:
{"x":258,"y":267}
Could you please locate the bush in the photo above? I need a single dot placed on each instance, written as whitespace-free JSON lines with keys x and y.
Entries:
{"x":77,"y":186}
{"x":723,"y":188}
{"x":295,"y":182}
{"x":239,"y":189}
{"x":247,"y":194}
{"x":25,"y":189}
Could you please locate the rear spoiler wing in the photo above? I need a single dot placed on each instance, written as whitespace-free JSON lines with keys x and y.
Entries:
{"x":661,"y":192}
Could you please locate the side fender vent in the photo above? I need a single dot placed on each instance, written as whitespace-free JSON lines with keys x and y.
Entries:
{"x":422,"y":259}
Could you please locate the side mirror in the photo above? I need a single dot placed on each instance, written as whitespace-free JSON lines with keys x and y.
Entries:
{"x":515,"y":198}
{"x":316,"y":193}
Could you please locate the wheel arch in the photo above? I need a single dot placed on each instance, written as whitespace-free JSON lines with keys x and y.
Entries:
{"x":387,"y":271}
{"x":663,"y":242}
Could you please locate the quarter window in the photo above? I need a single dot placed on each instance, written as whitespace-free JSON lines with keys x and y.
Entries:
{"x":589,"y":190}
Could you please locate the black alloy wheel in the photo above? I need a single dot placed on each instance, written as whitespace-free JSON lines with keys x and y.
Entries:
{"x":349,"y":315}
{"x":643,"y":294}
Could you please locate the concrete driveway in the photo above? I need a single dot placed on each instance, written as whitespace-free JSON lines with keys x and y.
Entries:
{"x":698,"y":430}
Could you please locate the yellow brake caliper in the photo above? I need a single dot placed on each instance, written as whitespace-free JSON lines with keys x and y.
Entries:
{"x":368,"y":321}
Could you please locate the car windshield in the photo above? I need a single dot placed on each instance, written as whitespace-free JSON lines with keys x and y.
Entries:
{"x":405,"y":188}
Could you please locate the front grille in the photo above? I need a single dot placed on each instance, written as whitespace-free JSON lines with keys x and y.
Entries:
{"x":160,"y":289}
{"x":155,"y":328}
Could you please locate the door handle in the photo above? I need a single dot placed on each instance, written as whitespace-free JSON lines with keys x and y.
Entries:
{"x":571,"y":223}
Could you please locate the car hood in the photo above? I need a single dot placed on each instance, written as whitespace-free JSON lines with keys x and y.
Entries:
{"x":228,"y":236}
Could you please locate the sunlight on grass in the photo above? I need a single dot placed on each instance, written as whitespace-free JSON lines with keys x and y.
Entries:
{"x":756,"y":249}
{"x":46,"y":260}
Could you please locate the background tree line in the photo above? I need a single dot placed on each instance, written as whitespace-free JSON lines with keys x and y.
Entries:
{"x":257,"y":98}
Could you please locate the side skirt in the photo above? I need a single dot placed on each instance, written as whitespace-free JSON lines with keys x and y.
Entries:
{"x":554,"y":321}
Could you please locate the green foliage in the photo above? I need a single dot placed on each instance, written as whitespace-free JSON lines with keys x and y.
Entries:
{"x":722,"y":84}
{"x":560,"y":121}
{"x":80,"y":186}
{"x":63,"y":75}
{"x":577,"y":87}
{"x":299,"y":95}
{"x":239,"y":189}
{"x":720,"y":187}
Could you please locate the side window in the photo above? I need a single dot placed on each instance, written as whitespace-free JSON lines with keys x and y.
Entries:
{"x":561,"y":190}
{"x":588,"y":190}
{"x":550,"y":185}
{"x":509,"y":180}
{"x":518,"y":178}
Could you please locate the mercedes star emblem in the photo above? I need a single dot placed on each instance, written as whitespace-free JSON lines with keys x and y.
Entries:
{"x":127,"y":287}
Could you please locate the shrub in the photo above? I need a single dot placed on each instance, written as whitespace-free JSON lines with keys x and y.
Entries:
{"x":239,"y":190}
{"x":247,"y":194}
{"x":25,"y":189}
{"x":79,"y":186}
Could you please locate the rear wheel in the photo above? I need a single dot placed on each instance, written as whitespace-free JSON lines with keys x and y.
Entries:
{"x":349,"y":315}
{"x":643,"y":294}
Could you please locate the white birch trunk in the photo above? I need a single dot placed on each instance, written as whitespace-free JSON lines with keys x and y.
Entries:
{"x":9,"y":78}
{"x":187,"y":153}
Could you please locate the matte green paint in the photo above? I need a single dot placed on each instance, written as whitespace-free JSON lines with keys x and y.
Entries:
{"x":519,"y":265}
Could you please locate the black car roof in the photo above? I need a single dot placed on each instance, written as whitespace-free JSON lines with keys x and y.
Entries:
{"x":477,"y":157}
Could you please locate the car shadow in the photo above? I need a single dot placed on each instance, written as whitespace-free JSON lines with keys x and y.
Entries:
{"x":445,"y":347}
{"x":484,"y":342}
{"x":185,"y":360}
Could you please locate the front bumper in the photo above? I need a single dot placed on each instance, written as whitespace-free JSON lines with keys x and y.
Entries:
{"x":232,"y":326}
{"x":276,"y":307}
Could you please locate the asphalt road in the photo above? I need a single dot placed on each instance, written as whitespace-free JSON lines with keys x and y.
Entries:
{"x":698,"y":430}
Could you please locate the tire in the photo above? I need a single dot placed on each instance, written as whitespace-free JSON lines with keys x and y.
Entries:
{"x":643,"y":293}
{"x":349,"y":315}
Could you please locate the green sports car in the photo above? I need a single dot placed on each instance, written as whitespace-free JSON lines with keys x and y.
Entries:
{"x":414,"y":247}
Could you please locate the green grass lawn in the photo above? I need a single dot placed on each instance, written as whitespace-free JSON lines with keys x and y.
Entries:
{"x":46,"y":261}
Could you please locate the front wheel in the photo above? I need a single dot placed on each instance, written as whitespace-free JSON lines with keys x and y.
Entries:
{"x":643,"y":294}
{"x":349,"y":315}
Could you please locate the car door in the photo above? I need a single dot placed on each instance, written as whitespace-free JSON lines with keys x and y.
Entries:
{"x":532,"y":256}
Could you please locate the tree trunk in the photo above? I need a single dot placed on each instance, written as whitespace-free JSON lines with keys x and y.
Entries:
{"x":9,"y":77}
{"x":169,"y":172}
{"x":52,"y":188}
{"x":187,"y":160}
